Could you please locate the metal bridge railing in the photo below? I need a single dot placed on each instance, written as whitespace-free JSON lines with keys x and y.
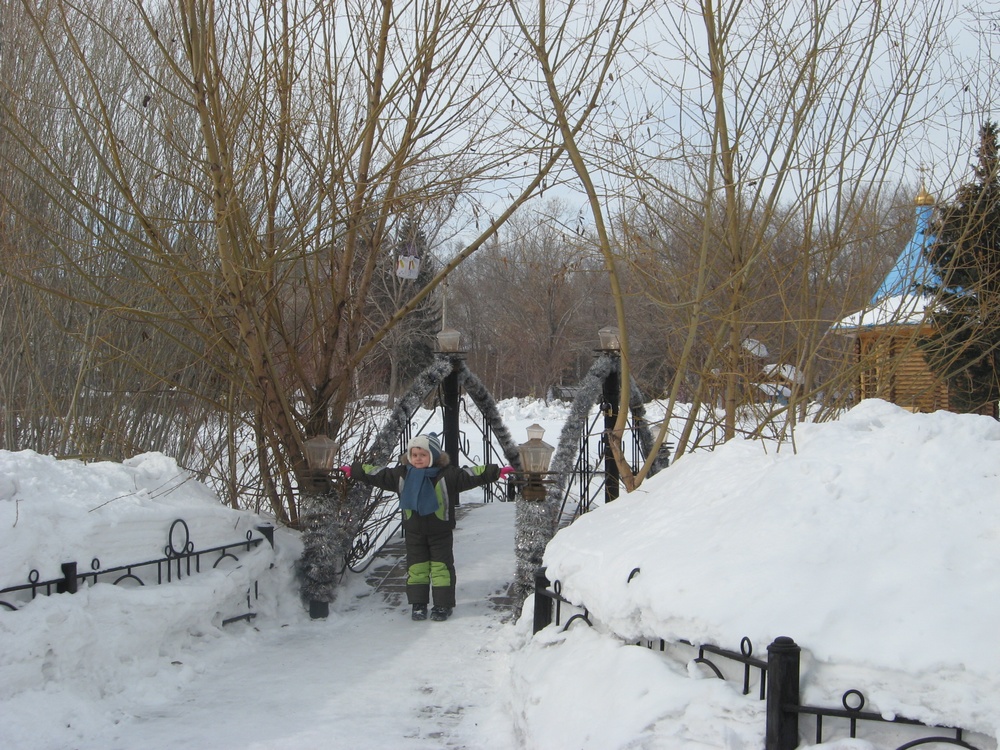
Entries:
{"x":586,"y":481}
{"x":180,"y":560}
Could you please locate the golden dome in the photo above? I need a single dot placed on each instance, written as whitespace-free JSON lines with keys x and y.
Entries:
{"x":924,"y":198}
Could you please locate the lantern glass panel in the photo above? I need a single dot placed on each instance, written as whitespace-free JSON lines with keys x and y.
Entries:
{"x":449,"y":340}
{"x":609,"y":338}
{"x":321,"y":453}
{"x":535,"y":455}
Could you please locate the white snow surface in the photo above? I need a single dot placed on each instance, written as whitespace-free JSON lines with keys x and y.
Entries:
{"x":872,"y":541}
{"x":897,"y":310}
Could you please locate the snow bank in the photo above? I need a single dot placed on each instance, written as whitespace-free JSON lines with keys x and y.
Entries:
{"x":874,"y":544}
{"x":64,"y":652}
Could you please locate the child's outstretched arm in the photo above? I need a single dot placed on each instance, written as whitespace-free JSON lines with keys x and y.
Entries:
{"x":476,"y":476}
{"x":385,"y":478}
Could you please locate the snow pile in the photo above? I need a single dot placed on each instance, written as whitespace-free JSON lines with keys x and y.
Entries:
{"x":578,"y":689}
{"x":55,"y":511}
{"x":874,"y":544}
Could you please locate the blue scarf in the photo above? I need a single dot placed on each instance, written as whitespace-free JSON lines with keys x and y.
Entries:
{"x":418,"y":491}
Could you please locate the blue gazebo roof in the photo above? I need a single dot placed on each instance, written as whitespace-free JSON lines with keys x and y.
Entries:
{"x":911,"y":269}
{"x":899,"y":299}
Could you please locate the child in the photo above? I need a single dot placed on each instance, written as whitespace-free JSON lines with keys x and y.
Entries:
{"x":428,"y":487}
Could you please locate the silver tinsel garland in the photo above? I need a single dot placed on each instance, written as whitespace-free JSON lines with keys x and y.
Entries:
{"x":323,"y":538}
{"x":387,"y":441}
{"x":483,"y":399}
{"x":536,"y":520}
{"x":532,"y":518}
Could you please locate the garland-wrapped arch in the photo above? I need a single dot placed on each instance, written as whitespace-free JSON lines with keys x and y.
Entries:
{"x":537,"y":521}
{"x":335,"y":519}
{"x":399,"y":419}
{"x":588,"y":394}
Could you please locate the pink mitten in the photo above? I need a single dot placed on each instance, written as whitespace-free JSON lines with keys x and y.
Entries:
{"x":506,"y":471}
{"x":346,"y":469}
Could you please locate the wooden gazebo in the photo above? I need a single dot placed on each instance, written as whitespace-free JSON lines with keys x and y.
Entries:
{"x":887,"y":331}
{"x":892,"y":367}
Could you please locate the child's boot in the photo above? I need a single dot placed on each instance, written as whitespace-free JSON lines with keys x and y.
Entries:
{"x":419,"y":612}
{"x":439,"y":614}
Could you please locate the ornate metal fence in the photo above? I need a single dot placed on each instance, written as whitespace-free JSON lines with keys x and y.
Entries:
{"x":587,"y":480}
{"x":777,"y":679}
{"x":180,"y":560}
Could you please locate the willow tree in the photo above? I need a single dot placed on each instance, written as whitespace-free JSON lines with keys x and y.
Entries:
{"x":220,"y":178}
{"x":567,"y":95}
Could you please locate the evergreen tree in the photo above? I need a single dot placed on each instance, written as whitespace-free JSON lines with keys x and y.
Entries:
{"x":414,"y":350}
{"x":409,"y":347}
{"x":965,"y":346}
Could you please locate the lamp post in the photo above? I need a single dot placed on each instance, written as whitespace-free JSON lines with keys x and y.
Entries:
{"x":319,"y":555}
{"x":449,"y":343}
{"x":611,"y":393}
{"x":534,"y":517}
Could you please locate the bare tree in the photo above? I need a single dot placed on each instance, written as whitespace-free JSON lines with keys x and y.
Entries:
{"x":778,"y":127}
{"x":200,"y":200}
{"x":524,"y":304}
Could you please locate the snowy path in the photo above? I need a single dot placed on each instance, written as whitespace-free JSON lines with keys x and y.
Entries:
{"x":367,"y":677}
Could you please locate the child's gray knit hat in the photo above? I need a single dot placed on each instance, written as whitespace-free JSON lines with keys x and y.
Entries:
{"x":429,"y":443}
